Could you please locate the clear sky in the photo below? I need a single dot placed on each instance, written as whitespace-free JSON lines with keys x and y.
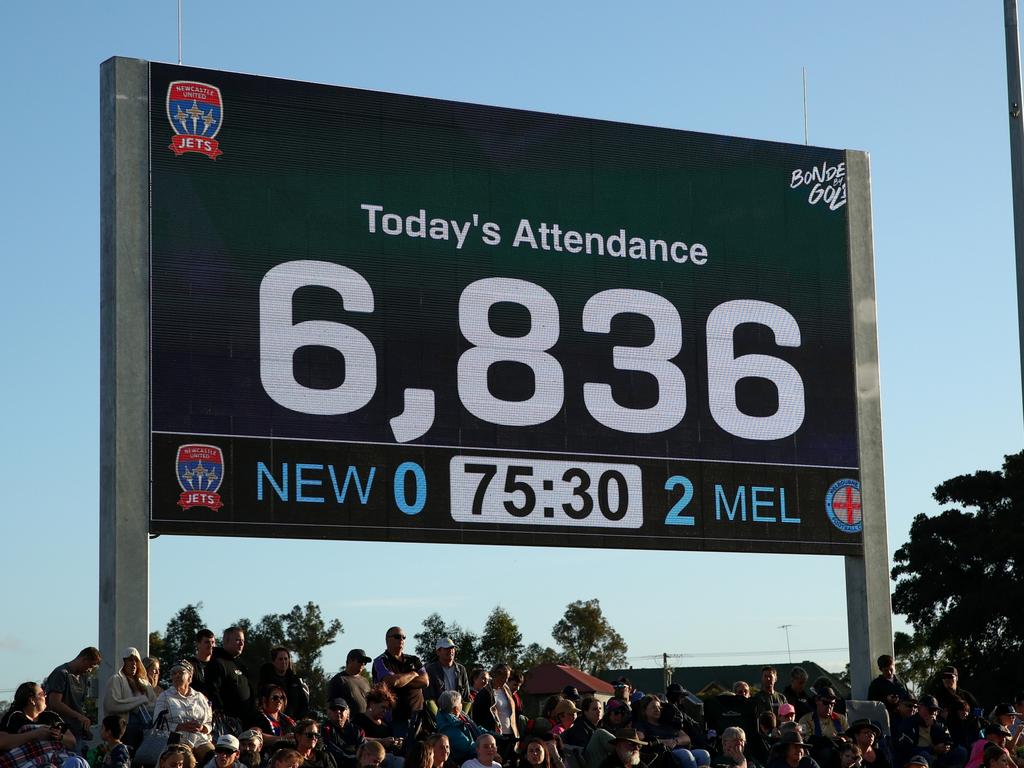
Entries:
{"x":921,"y":86}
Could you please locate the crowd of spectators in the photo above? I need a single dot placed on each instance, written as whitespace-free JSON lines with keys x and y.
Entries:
{"x":396,"y":712}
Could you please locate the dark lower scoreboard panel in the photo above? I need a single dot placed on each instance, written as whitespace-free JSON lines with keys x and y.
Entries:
{"x":260,"y":487}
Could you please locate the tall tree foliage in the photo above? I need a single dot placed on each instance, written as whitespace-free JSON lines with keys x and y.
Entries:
{"x":959,"y":578}
{"x":588,"y":640}
{"x":179,"y":639}
{"x":536,"y":654}
{"x":501,"y":642}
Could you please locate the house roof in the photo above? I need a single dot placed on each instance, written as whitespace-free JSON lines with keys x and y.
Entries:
{"x":546,"y":679}
{"x":695,"y":679}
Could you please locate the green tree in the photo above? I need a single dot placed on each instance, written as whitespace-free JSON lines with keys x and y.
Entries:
{"x":960,"y":572}
{"x":587,"y":638}
{"x":434,"y":627}
{"x":536,"y":654}
{"x":179,"y":639}
{"x":916,"y":663}
{"x":501,"y":642}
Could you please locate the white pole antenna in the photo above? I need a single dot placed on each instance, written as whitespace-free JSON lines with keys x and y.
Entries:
{"x":179,"y":31}
{"x":805,"y":103}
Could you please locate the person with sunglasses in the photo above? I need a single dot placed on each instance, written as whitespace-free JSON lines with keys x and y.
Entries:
{"x":405,"y":675}
{"x":307,"y":744}
{"x":270,"y":715}
{"x":225,"y":752}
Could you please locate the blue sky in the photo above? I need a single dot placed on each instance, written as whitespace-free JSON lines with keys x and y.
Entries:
{"x":921,"y":86}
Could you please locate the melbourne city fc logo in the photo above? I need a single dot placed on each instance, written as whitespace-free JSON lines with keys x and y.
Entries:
{"x":196,"y":113}
{"x":200,"y":470}
{"x":842,"y":503}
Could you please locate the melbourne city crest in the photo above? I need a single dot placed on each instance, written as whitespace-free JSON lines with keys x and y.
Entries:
{"x":196,"y":113}
{"x":200,"y":470}
{"x":843,"y":505}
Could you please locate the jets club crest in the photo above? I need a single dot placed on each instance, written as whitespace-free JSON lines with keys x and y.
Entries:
{"x":200,"y":470}
{"x":196,"y":113}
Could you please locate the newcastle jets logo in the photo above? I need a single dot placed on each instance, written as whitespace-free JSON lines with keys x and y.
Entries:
{"x":200,"y":470}
{"x":842,"y":503}
{"x":196,"y":113}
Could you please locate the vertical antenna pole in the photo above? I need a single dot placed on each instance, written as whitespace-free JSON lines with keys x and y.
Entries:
{"x":804,"y":69}
{"x":1016,"y":157}
{"x":179,"y":31}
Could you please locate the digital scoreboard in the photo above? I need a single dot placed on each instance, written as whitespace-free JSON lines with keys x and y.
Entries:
{"x":391,"y":318}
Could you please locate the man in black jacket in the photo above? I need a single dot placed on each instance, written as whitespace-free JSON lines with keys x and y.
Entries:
{"x":446,"y":674}
{"x":227,"y":681}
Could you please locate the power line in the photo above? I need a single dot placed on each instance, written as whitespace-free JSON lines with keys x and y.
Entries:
{"x":731,"y":654}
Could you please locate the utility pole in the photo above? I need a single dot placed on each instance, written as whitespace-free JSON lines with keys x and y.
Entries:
{"x":789,"y":653}
{"x":666,"y":670}
{"x":1016,"y":160}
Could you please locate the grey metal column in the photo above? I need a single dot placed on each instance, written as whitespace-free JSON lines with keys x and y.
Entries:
{"x":868,"y":601}
{"x":124,"y":359}
{"x":1016,"y":158}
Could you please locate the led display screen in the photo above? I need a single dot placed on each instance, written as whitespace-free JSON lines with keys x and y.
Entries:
{"x":386,"y":317}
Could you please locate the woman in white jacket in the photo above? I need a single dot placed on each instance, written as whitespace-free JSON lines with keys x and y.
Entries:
{"x":129,"y":694}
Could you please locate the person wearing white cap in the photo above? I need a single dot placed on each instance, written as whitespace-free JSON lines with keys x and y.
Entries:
{"x":128,"y":693}
{"x":446,"y":674}
{"x":225,"y":751}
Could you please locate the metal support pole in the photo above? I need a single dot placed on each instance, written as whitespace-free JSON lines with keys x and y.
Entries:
{"x":1013,"y":90}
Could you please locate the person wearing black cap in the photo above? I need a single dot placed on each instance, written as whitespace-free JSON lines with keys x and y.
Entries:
{"x":927,"y":736}
{"x":791,"y":752}
{"x":866,"y":735}
{"x":350,"y":684}
{"x":961,"y":707}
{"x":340,"y":736}
{"x":995,"y":733}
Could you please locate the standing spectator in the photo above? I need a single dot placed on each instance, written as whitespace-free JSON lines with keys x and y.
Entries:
{"x":279,"y":671}
{"x":741,"y":688}
{"x":205,"y":643}
{"x":65,"y":692}
{"x":887,"y":688}
{"x":479,"y":679}
{"x":405,"y":675}
{"x":768,"y":699}
{"x":227,"y":680}
{"x":960,"y":705}
{"x":796,"y":692}
{"x":494,"y":708}
{"x":446,"y":674}
{"x":351,"y":684}
{"x":128,"y":693}
{"x":188,"y":712}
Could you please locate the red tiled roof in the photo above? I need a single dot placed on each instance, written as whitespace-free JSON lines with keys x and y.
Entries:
{"x":552,"y":678}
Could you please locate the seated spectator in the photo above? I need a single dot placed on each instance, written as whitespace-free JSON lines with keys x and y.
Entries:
{"x":1006,"y":715}
{"x":419,"y":756}
{"x":564,"y":715}
{"x":441,"y":747}
{"x":741,"y":688}
{"x":152,"y":665}
{"x":850,"y":755}
{"x":285,"y":758}
{"x":925,"y":735}
{"x":339,"y":735}
{"x":905,"y":709}
{"x":486,"y":752}
{"x":678,"y":741}
{"x":270,"y":715}
{"x":787,"y":714}
{"x":823,"y":683}
{"x":250,"y":750}
{"x":278,"y":671}
{"x":535,"y":754}
{"x":823,"y":726}
{"x":617,"y":715}
{"x":115,"y":753}
{"x":626,"y":748}
{"x":370,"y":755}
{"x":759,"y":745}
{"x":128,"y":693}
{"x":225,"y":752}
{"x":187,"y":712}
{"x":866,"y":735}
{"x":733,"y":753}
{"x":177,"y":756}
{"x":462,"y":732}
{"x":579,"y":733}
{"x":995,"y":733}
{"x":791,"y":752}
{"x":997,"y":757}
{"x":307,"y":738}
{"x":24,"y":735}
{"x":373,"y":722}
